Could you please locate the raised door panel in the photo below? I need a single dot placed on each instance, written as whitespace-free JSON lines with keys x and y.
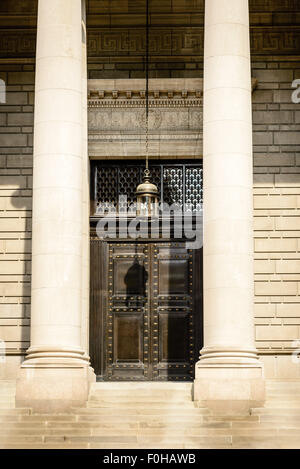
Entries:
{"x":172,"y":312}
{"x":127,"y":318}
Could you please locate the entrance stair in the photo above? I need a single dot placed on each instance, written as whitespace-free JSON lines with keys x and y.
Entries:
{"x":152,"y":416}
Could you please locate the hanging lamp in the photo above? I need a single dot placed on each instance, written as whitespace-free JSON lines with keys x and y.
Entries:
{"x":147,"y":192}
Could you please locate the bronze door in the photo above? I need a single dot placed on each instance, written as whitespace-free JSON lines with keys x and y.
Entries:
{"x":146,"y":303}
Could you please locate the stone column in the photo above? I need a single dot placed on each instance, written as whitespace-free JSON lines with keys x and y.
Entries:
{"x":56,"y":374}
{"x":229,"y":376}
{"x":85,"y":194}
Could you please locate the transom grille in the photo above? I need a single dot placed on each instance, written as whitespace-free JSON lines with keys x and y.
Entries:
{"x":178,"y":183}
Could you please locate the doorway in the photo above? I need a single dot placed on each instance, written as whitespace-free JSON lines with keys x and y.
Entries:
{"x":146,"y":310}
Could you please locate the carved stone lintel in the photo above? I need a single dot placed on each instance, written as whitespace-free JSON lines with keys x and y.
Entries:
{"x":117,"y":117}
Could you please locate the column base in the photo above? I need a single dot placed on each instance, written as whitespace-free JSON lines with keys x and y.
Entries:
{"x":228,"y":388}
{"x":53,"y":387}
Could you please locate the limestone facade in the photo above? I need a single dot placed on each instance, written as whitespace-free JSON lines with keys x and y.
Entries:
{"x":117,"y":52}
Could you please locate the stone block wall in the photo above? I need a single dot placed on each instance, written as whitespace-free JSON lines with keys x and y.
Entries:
{"x":16,"y":144}
{"x":276,"y":134}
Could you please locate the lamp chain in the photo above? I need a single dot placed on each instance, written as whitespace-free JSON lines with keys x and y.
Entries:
{"x":147,"y":88}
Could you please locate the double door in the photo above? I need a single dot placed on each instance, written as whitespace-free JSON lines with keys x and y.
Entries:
{"x":146,"y":310}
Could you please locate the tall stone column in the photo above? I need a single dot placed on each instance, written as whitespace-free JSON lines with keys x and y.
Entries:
{"x":85,"y":193}
{"x":55,"y":374}
{"x":229,"y":376}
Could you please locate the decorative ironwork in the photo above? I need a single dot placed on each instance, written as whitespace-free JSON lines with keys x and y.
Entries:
{"x":194,"y":188}
{"x":106,"y":187}
{"x":129,"y":178}
{"x":173,"y":185}
{"x":177,"y":183}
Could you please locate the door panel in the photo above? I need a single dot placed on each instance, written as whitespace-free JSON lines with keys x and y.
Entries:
{"x":127,"y":312}
{"x":173,"y":335}
{"x":144,"y":305}
{"x":127,"y":339}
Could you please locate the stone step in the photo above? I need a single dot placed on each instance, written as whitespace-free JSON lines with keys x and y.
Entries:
{"x":159,"y":400}
{"x":15,"y":411}
{"x":166,"y":396}
{"x":21,"y":439}
{"x":140,"y":392}
{"x":290,"y":389}
{"x":122,"y":411}
{"x":21,"y":445}
{"x":141,"y":413}
{"x":140,"y":404}
{"x":141,"y":385}
{"x":281,"y":390}
{"x":142,"y":427}
{"x":279,"y":411}
{"x":281,"y":404}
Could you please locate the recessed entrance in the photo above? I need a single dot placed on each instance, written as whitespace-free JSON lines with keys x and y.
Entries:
{"x":146,"y":315}
{"x":146,"y":295}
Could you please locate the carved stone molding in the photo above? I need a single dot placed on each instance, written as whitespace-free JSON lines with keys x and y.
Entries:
{"x":117,"y":117}
{"x":134,"y":98}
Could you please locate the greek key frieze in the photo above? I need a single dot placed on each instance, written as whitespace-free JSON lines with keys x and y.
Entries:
{"x":164,"y":42}
{"x":17,"y":43}
{"x":170,"y":41}
{"x":281,"y":41}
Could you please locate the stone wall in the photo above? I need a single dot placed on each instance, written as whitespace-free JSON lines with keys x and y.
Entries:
{"x":16,"y":130}
{"x":276,"y":129}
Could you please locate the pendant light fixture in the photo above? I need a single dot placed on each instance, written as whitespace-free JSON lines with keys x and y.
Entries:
{"x":147,"y":192}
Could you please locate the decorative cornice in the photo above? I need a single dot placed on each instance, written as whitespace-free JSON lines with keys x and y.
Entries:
{"x":136,"y":99}
{"x":141,"y":103}
{"x":163,"y":93}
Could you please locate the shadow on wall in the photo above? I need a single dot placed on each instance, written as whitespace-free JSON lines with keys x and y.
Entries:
{"x":276,"y":145}
{"x":16,"y":148}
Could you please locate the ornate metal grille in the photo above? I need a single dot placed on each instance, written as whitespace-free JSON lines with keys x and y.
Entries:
{"x":178,"y":183}
{"x":173,"y":185}
{"x":193,"y":188}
